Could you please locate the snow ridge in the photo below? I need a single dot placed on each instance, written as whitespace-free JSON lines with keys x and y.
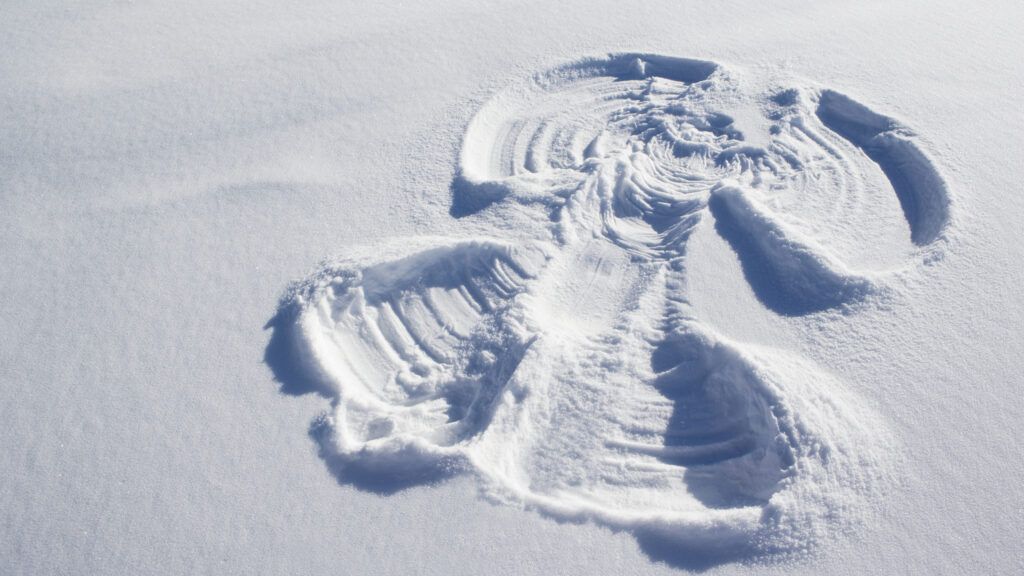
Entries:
{"x":568,"y":371}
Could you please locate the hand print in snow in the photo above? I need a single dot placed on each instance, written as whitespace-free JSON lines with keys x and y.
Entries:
{"x":560,"y":360}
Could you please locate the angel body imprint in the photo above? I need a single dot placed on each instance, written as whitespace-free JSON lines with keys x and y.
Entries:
{"x":567,"y":370}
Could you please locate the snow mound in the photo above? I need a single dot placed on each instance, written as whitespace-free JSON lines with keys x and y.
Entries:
{"x":568,"y":371}
{"x":789,"y":272}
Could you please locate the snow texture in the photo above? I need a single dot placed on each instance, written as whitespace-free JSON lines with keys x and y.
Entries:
{"x":568,"y":372}
{"x":742,"y":297}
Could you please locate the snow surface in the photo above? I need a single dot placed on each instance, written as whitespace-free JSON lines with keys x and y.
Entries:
{"x":845,"y":276}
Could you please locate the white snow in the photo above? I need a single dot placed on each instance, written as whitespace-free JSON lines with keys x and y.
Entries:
{"x":746,"y":299}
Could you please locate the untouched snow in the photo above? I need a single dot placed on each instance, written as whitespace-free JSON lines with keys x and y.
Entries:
{"x":517,"y":253}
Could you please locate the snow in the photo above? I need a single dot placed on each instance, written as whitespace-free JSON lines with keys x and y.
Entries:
{"x":167,"y":172}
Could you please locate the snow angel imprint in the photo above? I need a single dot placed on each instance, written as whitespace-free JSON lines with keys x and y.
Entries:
{"x":559,"y":359}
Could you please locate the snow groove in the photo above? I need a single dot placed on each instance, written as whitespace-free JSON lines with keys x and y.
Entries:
{"x":568,"y":371}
